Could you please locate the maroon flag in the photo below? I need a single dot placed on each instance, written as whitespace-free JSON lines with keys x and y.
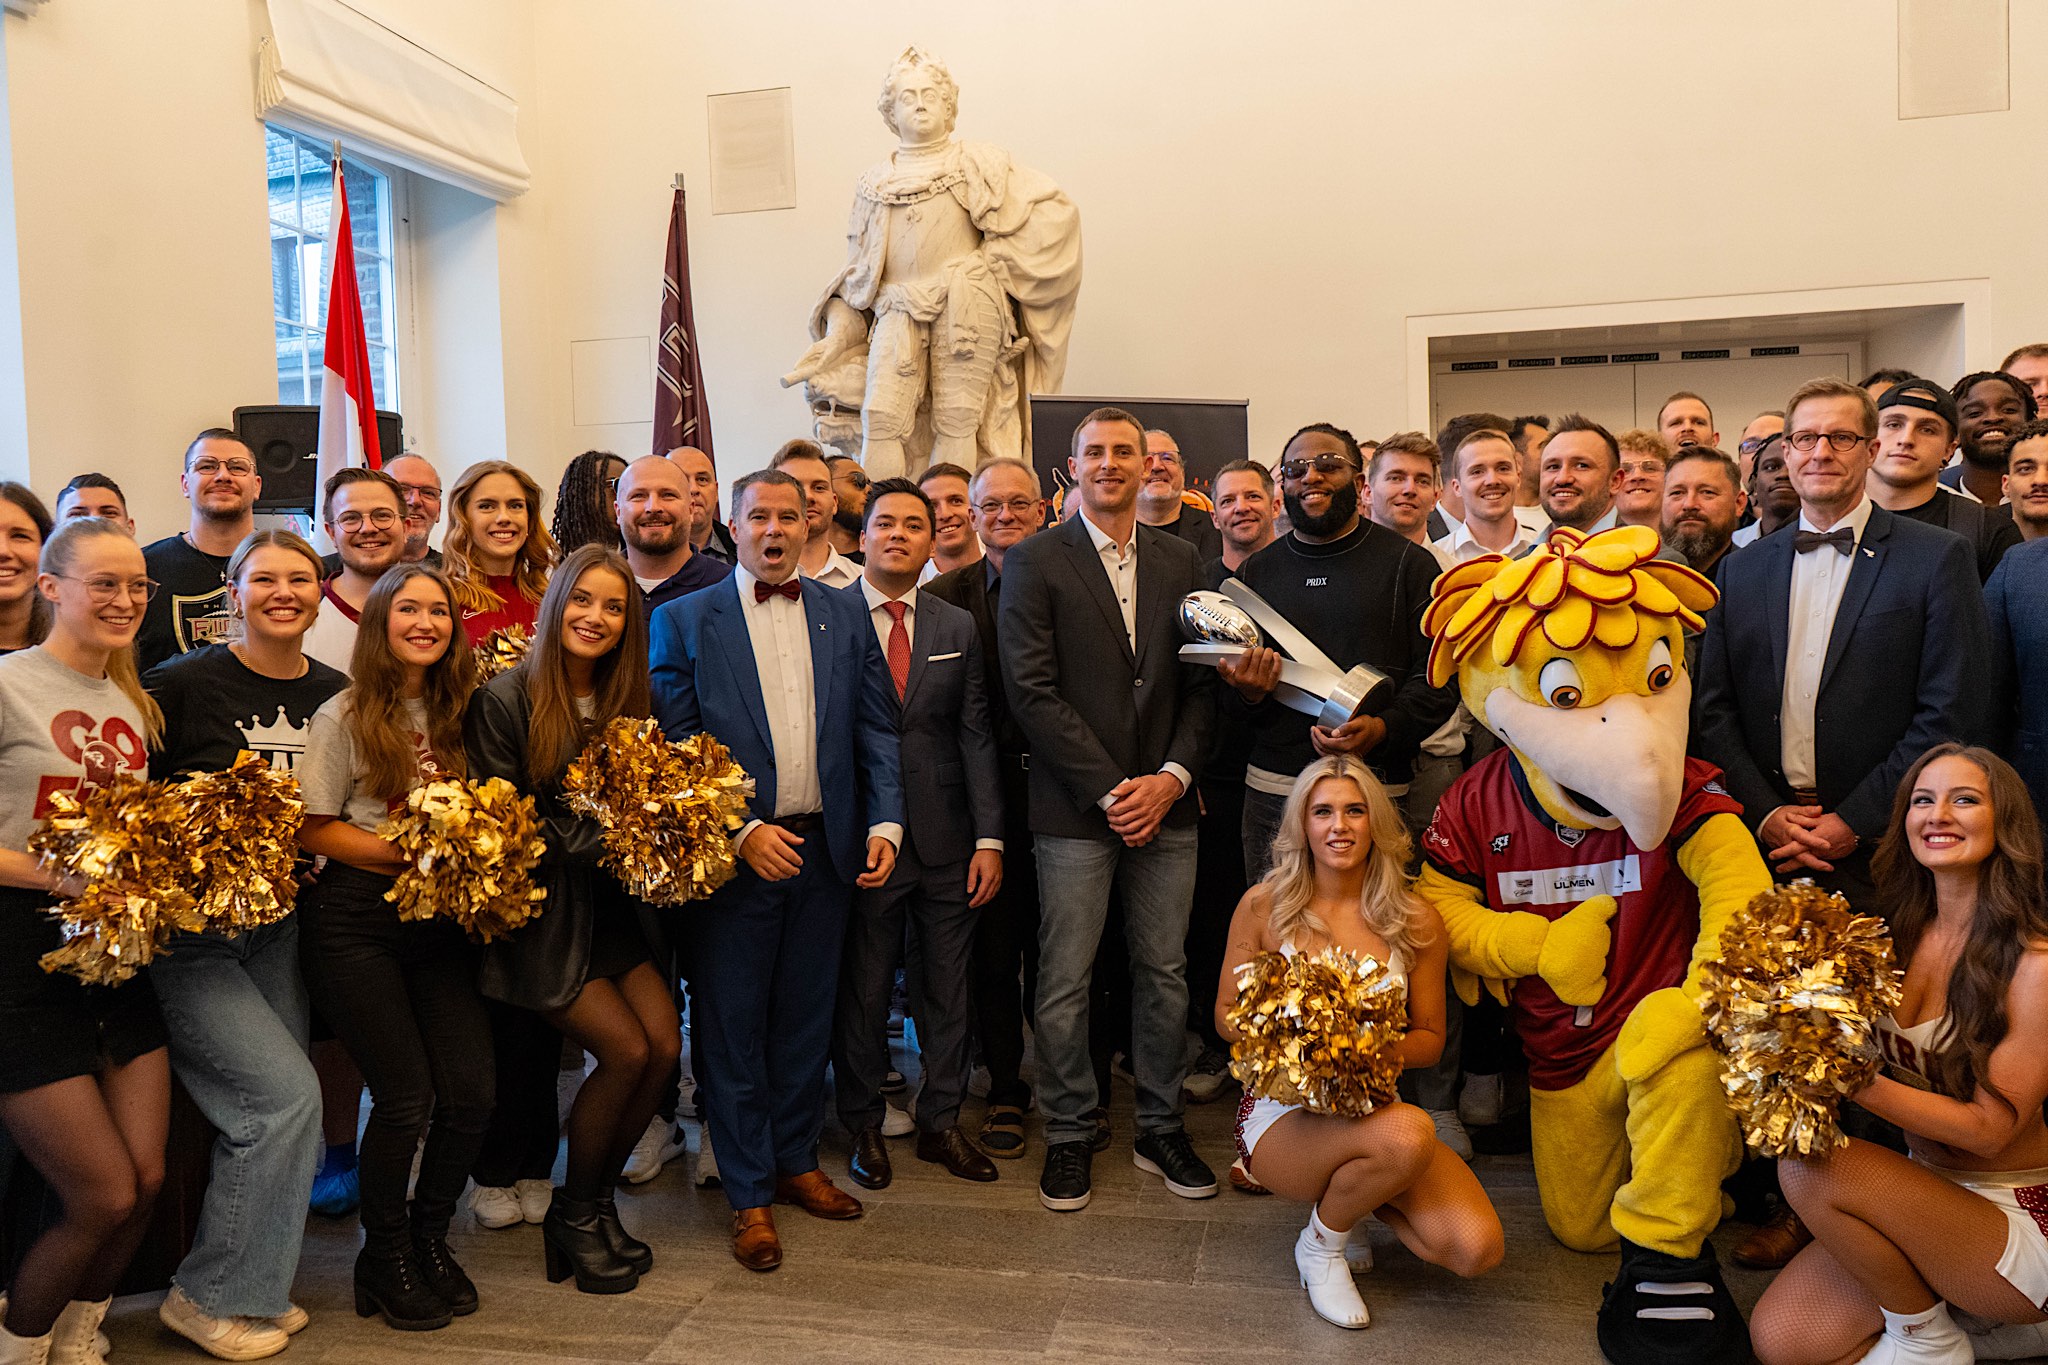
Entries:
{"x":681,"y":415}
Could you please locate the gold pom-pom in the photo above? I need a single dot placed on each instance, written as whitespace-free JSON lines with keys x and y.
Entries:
{"x":668,"y":809}
{"x":1792,"y":1006}
{"x":502,"y":649}
{"x":470,"y":850}
{"x":245,"y":824}
{"x":127,"y":848}
{"x":1322,"y":1030}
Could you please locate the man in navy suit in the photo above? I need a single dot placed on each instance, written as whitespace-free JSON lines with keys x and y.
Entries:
{"x":787,"y":673}
{"x":1840,"y":652}
{"x":2017,"y":599}
{"x":951,"y":861}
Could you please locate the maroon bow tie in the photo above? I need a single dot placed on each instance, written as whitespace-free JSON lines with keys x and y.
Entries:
{"x":792,"y":589}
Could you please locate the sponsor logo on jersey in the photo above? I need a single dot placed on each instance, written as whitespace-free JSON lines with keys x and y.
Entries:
{"x":1570,"y":885}
{"x":1571,"y":836}
{"x":1500,"y":842}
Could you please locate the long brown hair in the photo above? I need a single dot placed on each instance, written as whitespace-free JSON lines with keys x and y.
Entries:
{"x":40,"y":610}
{"x":555,"y":732}
{"x":60,"y":555}
{"x":2009,"y":918}
{"x":386,"y":763}
{"x":458,"y":554}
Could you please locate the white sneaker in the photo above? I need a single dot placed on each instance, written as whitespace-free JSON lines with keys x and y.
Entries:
{"x":495,"y":1206}
{"x":707,"y":1162}
{"x":896,"y":1122}
{"x":658,"y":1146}
{"x":533,"y":1197}
{"x":1481,"y":1100}
{"x":222,"y":1338}
{"x":100,"y":1342}
{"x":1358,"y":1247}
{"x":1319,"y":1257}
{"x":1451,"y":1132}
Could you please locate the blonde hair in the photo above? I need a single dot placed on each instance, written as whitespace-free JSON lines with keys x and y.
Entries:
{"x":1387,"y":903}
{"x":256,"y":540}
{"x":60,"y":555}
{"x":529,"y":568}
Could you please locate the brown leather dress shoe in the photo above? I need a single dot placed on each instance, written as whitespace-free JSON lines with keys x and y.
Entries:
{"x":952,"y":1150}
{"x":869,"y":1164}
{"x":754,"y":1243}
{"x":1775,"y":1242}
{"x":815,"y":1194}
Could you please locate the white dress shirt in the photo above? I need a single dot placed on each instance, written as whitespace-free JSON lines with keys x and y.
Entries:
{"x":1120,"y":564}
{"x":876,"y":599}
{"x":1818,"y":580}
{"x":1534,"y":520}
{"x":1747,"y":535}
{"x":779,"y":630}
{"x":1460,"y":548}
{"x":837,"y":571}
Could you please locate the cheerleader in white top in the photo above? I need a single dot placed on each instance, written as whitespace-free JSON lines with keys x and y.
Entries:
{"x":1940,"y":1256}
{"x":1339,"y":878}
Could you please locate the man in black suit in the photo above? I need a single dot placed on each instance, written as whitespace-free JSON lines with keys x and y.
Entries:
{"x":1007,"y":503}
{"x":1117,"y":725}
{"x":951,"y":861}
{"x":1840,"y":652}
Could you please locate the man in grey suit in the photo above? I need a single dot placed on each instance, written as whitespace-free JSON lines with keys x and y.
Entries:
{"x":951,"y":861}
{"x":1117,"y":725}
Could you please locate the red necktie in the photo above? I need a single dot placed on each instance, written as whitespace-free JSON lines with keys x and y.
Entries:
{"x":899,"y":646}
{"x":792,"y":589}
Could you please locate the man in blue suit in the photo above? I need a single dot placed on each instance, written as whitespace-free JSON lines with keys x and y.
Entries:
{"x":1843,"y":648}
{"x":2017,"y":599}
{"x":788,"y":674}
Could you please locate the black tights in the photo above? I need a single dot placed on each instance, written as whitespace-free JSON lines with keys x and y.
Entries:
{"x":628,"y":1023}
{"x":99,"y":1143}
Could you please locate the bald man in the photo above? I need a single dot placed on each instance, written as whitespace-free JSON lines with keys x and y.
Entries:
{"x":708,"y":535}
{"x":656,"y":512}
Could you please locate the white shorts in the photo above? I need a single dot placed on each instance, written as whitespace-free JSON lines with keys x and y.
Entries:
{"x":1255,"y":1114}
{"x":2023,"y":1197}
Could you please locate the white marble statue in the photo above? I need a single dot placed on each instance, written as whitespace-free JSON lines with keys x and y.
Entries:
{"x":956,"y":299}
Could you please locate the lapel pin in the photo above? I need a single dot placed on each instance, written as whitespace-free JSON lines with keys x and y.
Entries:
{"x":1868,"y":553}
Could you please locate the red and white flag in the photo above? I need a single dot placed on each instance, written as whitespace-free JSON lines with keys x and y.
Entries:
{"x":348,"y":404}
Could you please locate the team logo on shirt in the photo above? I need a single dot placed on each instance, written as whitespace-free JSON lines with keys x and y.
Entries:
{"x":200,"y":620}
{"x":1570,"y":885}
{"x":1571,"y":836}
{"x":277,"y":742}
{"x":102,"y":749}
{"x":1500,"y":842}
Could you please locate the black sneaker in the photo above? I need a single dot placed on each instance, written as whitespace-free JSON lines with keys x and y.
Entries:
{"x":1172,"y":1157}
{"x":1064,"y":1187}
{"x":1670,"y":1310}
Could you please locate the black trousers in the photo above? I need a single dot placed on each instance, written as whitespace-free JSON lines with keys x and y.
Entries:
{"x":402,"y":996}
{"x":525,"y":1131}
{"x":1004,"y":967}
{"x":1219,"y":886}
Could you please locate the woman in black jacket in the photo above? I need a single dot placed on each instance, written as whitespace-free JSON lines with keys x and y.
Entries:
{"x":583,"y":964}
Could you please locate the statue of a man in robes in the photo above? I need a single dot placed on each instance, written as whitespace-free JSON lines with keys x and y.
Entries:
{"x":956,"y":299}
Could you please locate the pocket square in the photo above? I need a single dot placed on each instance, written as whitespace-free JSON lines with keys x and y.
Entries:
{"x":941,"y":658}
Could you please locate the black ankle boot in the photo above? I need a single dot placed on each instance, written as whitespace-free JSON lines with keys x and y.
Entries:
{"x":576,"y":1246}
{"x":624,"y":1244}
{"x":393,"y":1284}
{"x":446,"y":1278}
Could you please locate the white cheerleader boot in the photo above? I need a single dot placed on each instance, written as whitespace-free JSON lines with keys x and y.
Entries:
{"x":16,"y":1350}
{"x":75,"y":1338}
{"x":1929,"y":1338}
{"x":1319,"y":1256}
{"x":1358,"y":1247}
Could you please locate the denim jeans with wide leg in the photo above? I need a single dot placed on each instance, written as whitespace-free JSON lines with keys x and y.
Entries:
{"x":1157,"y":883}
{"x":236,"y":1012}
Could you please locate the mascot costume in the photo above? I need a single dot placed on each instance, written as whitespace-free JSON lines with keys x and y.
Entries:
{"x":1585,"y":871}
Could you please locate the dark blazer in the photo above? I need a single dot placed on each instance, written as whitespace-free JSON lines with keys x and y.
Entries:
{"x":951,"y":786}
{"x":967,"y":588}
{"x":1905,"y":669}
{"x":1094,"y":711}
{"x":2017,"y":600}
{"x":705,"y":679}
{"x":543,"y":965}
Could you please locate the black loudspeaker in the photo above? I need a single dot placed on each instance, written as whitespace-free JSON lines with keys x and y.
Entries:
{"x":285,"y":439}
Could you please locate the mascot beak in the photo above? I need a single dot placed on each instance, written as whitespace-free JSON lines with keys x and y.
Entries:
{"x":1624,"y":757}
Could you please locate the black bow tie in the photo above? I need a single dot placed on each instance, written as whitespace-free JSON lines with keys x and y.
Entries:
{"x":795,"y":593}
{"x":1843,"y":538}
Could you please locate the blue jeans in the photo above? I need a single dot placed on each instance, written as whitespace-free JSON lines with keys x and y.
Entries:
{"x":236,"y":1012}
{"x":1157,"y":883}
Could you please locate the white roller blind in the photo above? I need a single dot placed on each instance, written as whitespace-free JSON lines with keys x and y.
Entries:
{"x":328,"y":70}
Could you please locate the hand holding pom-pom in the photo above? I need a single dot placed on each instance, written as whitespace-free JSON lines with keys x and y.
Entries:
{"x":125,"y":854}
{"x":1792,"y":1006}
{"x":471,"y":849}
{"x":245,"y":824}
{"x":1321,"y":1030}
{"x":668,"y":809}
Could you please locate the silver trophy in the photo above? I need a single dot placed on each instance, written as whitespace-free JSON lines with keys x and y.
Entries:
{"x":1223,"y":625}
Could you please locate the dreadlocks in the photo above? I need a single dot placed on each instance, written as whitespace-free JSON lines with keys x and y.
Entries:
{"x":583,"y":503}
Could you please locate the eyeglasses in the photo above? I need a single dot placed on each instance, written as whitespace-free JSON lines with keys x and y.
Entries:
{"x":1642,"y":466}
{"x":206,"y":469}
{"x":104,"y":588}
{"x":1016,"y":507}
{"x":852,"y":476}
{"x":1840,"y":440}
{"x":1294,"y":470}
{"x":1753,"y":444}
{"x":420,"y":492}
{"x":383,"y":519}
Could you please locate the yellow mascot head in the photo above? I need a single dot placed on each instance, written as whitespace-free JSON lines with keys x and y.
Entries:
{"x":1575,"y":656}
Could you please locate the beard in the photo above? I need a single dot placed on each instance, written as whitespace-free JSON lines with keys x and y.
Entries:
{"x":848,"y":522}
{"x":1986,"y":457}
{"x":1343,"y":507}
{"x":1698,"y":541}
{"x":656,"y":539}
